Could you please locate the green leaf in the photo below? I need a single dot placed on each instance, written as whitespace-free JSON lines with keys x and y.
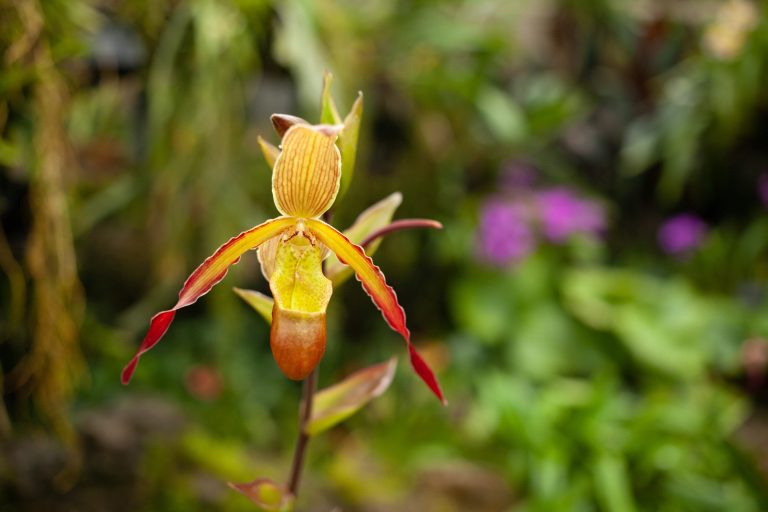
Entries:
{"x":348,"y":143}
{"x":258,"y":301}
{"x":336,"y":403}
{"x":269,"y":151}
{"x":9,"y":154}
{"x":372,"y":219}
{"x":329,"y":114}
{"x":612,"y":484}
{"x":663,"y":324}
{"x":266,"y":494}
{"x":504,"y":117}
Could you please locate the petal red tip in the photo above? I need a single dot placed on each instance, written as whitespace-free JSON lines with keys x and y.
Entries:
{"x":157,"y":327}
{"x":425,"y":372}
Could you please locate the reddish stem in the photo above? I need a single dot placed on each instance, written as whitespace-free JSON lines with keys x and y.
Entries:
{"x":310,"y":385}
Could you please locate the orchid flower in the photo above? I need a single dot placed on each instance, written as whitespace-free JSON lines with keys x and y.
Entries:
{"x":306,"y":178}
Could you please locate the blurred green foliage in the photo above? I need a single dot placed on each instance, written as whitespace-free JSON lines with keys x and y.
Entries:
{"x":595,"y":374}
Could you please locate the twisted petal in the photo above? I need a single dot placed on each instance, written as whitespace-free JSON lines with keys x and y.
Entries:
{"x":306,"y":176}
{"x":377,"y":288}
{"x":204,"y":278}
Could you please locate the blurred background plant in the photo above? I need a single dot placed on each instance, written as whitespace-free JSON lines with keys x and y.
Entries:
{"x":595,"y":306}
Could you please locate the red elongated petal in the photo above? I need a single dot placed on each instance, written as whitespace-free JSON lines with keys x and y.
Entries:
{"x":204,"y":278}
{"x":375,"y":285}
{"x":425,"y":372}
{"x":157,"y":327}
{"x":367,"y":273}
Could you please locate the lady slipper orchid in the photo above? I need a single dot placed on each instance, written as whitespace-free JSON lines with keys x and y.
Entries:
{"x":306,"y":178}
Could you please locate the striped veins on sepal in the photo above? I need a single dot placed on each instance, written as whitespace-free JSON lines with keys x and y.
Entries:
{"x":306,"y":178}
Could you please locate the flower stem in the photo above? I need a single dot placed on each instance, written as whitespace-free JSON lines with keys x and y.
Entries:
{"x":305,"y":413}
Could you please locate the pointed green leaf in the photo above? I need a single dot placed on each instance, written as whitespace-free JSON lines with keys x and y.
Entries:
{"x":348,"y":143}
{"x":372,"y":219}
{"x":258,"y":301}
{"x":336,"y":403}
{"x":328,"y":112}
{"x":266,"y":494}
{"x":269,"y":151}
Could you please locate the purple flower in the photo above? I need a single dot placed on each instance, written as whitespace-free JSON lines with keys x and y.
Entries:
{"x":681,"y":234}
{"x":504,"y":235}
{"x":562,"y":214}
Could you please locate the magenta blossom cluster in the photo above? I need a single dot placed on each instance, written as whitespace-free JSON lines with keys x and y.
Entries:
{"x":511,"y":227}
{"x":505,"y":235}
{"x":681,"y":234}
{"x":562,"y":214}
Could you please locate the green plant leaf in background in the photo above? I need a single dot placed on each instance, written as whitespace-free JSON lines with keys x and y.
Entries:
{"x":504,"y":117}
{"x":613,"y":484}
{"x":336,"y":403}
{"x":663,"y":324}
